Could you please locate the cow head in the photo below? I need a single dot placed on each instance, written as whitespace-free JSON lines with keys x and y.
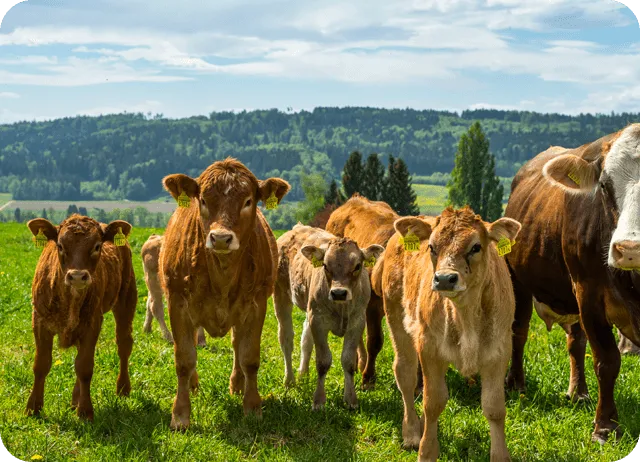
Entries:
{"x":343,"y":263}
{"x":614,"y":173}
{"x":79,"y":241}
{"x":458,"y":242}
{"x":226,"y":195}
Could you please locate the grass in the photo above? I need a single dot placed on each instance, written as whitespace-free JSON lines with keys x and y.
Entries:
{"x":432,"y":199}
{"x":4,"y":198}
{"x":541,"y":425}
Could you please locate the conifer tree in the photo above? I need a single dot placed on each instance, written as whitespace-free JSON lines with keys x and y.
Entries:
{"x":353,"y":174}
{"x":372,"y":186}
{"x":401,"y":190}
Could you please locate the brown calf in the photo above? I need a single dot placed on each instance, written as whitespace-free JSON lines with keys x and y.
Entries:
{"x":218,"y":268}
{"x":80,"y":276}
{"x":451,"y":301}
{"x":155,"y":308}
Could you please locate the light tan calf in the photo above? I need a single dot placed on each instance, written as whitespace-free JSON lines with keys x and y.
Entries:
{"x":450,"y":302}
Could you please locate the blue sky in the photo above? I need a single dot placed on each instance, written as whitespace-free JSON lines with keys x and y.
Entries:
{"x":180,"y":58}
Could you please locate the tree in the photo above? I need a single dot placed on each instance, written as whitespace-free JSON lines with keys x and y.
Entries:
{"x":83,"y":211}
{"x":353,"y":174}
{"x":334,"y":195}
{"x":101,"y":215}
{"x":16,"y":215}
{"x":473,"y":179}
{"x":71,"y":210}
{"x":314,"y":188}
{"x":399,"y":188}
{"x":373,"y":178}
{"x":44,"y":214}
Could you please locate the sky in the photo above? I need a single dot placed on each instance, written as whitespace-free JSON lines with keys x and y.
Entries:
{"x":191,"y":57}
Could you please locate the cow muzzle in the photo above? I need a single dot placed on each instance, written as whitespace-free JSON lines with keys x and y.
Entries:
{"x":222,"y":241}
{"x":340,"y":295}
{"x":447,"y":282}
{"x":625,"y":255}
{"x":78,"y":279}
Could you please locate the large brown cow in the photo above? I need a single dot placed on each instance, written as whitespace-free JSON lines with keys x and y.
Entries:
{"x":218,"y":268}
{"x":578,"y":256}
{"x":449,"y":301}
{"x":366,"y":222}
{"x":80,"y":276}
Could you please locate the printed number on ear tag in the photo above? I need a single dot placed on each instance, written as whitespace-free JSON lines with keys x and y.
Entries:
{"x":184,"y":200}
{"x":370,"y":262}
{"x":504,"y":246}
{"x":40,"y":239}
{"x":272,"y":202}
{"x":573,"y":177}
{"x":411,"y":242}
{"x":119,"y":239}
{"x":315,"y":262}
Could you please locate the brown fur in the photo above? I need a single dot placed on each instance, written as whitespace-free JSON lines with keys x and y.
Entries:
{"x":76,"y":315}
{"x":217,"y":291}
{"x":470,"y":328}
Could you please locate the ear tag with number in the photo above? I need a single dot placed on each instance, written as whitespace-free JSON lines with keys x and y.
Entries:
{"x":504,"y":246}
{"x":370,"y":262}
{"x":573,"y":177}
{"x":315,"y":262}
{"x":119,"y":239}
{"x":40,"y":239}
{"x":184,"y":200}
{"x":411,"y":242}
{"x":272,"y":201}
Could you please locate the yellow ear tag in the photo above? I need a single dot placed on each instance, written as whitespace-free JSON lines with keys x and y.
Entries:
{"x":184,"y":200}
{"x":315,"y":262}
{"x":272,"y":202}
{"x":370,"y":262}
{"x":573,"y":177}
{"x":504,"y":246}
{"x":40,"y":240}
{"x":411,"y":242}
{"x":119,"y":239}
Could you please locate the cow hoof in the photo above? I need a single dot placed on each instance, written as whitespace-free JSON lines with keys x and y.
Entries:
{"x":168,"y":338}
{"x":601,"y":435}
{"x":290,"y":382}
{"x":317,"y":407}
{"x":85,"y":413}
{"x":179,"y":424}
{"x":578,"y":397}
{"x":303,"y":373}
{"x":367,"y":386}
{"x":123,"y":388}
{"x":236,"y":383}
{"x":411,"y":443}
{"x":253,"y":409}
{"x":513,"y":383}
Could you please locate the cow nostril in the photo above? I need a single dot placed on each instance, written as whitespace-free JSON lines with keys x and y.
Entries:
{"x":229,"y":239}
{"x":453,"y":278}
{"x":85,"y":277}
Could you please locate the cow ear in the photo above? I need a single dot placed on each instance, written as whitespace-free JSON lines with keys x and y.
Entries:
{"x":47,"y":228}
{"x":417,"y":226}
{"x":276,"y":186}
{"x":113,"y":228}
{"x":178,"y":183}
{"x":311,"y":251}
{"x":504,"y":228}
{"x":373,"y":250}
{"x":572,"y":173}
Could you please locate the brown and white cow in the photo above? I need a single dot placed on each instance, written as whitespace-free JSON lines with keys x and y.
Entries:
{"x":579,"y":256}
{"x":325,"y":276}
{"x":150,"y":254}
{"x":218,"y":268}
{"x":80,"y":276}
{"x":449,"y":302}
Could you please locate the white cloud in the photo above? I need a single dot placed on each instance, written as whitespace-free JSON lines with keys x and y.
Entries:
{"x":9,"y":95}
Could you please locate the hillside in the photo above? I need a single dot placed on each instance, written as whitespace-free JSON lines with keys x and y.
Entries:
{"x":125,"y":156}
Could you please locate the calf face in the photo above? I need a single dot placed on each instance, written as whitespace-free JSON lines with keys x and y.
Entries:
{"x":458,"y":244}
{"x":79,"y":242}
{"x":342,"y":261}
{"x":226,"y":194}
{"x":615,"y":174}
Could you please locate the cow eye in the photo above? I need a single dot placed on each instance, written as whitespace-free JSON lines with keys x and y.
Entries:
{"x":97,"y":247}
{"x":59,"y":247}
{"x":248,"y":203}
{"x":433,"y":251}
{"x":475,"y":249}
{"x":358,"y":267}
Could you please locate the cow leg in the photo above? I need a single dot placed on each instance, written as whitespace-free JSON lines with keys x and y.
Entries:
{"x":362,"y":355}
{"x":155,"y":307}
{"x":283,"y":307}
{"x":626,"y":346}
{"x":201,"y":339}
{"x":375,"y":340}
{"x":435,"y":398}
{"x":148,"y":319}
{"x":493,"y":407}
{"x":306,"y":347}
{"x":84,"y":369}
{"x":123,"y":313}
{"x":41,"y":366}
{"x":405,"y":365}
{"x":323,"y":360}
{"x":236,"y":381}
{"x":349,"y":354}
{"x":577,"y":344}
{"x":524,"y":310}
{"x":185,"y":361}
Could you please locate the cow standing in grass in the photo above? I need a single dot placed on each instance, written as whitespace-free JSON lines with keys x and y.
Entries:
{"x":80,"y":276}
{"x":449,"y":301}
{"x":326,"y":277}
{"x":218,"y":268}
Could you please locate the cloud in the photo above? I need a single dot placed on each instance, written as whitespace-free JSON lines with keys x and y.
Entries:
{"x":144,"y":107}
{"x":9,"y":95}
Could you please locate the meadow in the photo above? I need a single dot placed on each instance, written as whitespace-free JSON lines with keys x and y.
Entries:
{"x":541,"y":424}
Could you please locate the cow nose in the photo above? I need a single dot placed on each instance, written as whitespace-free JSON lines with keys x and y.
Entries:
{"x":221,"y":240}
{"x":445,"y":281}
{"x":339,"y":295}
{"x":626,"y":254}
{"x":78,"y":278}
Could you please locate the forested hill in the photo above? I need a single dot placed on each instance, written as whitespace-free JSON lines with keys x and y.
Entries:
{"x":126,"y":155}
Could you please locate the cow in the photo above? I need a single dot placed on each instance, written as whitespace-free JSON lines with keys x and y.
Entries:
{"x":217,"y":269}
{"x":150,"y":254}
{"x":81,"y":274}
{"x":325,"y":276}
{"x":578,"y":257}
{"x":448,"y":300}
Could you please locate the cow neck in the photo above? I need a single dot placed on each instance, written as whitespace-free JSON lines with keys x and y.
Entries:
{"x":223,"y":269}
{"x":467,"y":307}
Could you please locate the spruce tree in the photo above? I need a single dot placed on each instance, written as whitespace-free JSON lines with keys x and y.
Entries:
{"x":400,"y":182}
{"x":353,"y":174}
{"x":372,"y":185}
{"x":473,"y":179}
{"x":388,"y":193}
{"x":44,"y":214}
{"x":334,"y":195}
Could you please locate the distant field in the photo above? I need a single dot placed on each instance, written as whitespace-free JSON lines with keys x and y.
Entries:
{"x":4,"y":198}
{"x":108,"y":206}
{"x":432,"y":199}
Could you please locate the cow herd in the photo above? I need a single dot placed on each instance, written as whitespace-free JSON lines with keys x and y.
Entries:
{"x":455,"y":289}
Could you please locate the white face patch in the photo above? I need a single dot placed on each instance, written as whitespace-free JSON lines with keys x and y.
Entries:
{"x":622,"y":168}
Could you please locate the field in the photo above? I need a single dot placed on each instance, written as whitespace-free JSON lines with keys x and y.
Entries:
{"x":541,"y":425}
{"x":163,"y":206}
{"x":432,"y":199}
